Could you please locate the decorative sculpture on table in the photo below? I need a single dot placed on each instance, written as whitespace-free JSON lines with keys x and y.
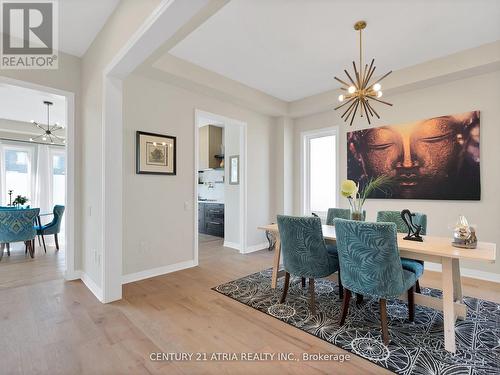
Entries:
{"x":464,"y":236}
{"x":413,"y":229}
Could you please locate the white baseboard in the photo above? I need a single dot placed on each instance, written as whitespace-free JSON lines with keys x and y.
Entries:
{"x":251,"y":249}
{"x":75,"y":275}
{"x":467,"y":272}
{"x":93,"y":287}
{"x":131,"y":277}
{"x":232,"y":245}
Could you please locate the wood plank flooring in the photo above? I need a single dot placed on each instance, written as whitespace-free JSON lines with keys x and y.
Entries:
{"x":56,"y":327}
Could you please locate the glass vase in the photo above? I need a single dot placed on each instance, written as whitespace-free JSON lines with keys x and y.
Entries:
{"x":356,"y":215}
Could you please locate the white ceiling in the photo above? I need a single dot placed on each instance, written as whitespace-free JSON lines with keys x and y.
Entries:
{"x":21,"y":104}
{"x":80,"y":21}
{"x":291,"y":49}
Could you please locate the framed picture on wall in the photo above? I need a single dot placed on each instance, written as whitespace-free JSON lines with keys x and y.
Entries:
{"x":234,"y":170}
{"x":436,"y":158}
{"x":155,"y":153}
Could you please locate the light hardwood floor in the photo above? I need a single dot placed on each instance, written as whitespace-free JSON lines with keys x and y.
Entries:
{"x":57,"y":327}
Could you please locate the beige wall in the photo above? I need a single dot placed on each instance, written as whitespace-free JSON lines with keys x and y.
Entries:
{"x":125,"y":20}
{"x":157,"y":226}
{"x":480,"y":92}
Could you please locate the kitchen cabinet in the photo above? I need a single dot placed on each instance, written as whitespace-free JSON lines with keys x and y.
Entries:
{"x":211,"y":219}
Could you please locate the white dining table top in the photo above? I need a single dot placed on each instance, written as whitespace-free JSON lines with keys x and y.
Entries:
{"x":431,"y":245}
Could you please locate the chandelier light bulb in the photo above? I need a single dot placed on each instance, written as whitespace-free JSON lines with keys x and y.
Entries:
{"x":32,"y":121}
{"x":31,"y":139}
{"x":351,"y":90}
{"x":44,"y":138}
{"x":341,"y":98}
{"x":379,"y":94}
{"x":377,"y":86}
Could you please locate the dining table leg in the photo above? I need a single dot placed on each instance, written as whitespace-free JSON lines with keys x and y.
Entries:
{"x":276,"y":262}
{"x":457,"y":281}
{"x":449,"y":294}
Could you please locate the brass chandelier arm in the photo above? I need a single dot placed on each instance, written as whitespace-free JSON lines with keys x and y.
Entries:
{"x":363,"y":102}
{"x":381,"y":78}
{"x":348,"y":110}
{"x":378,"y":100}
{"x":348,"y":76}
{"x":343,"y":82}
{"x":357,"y":75}
{"x":346,"y":102}
{"x":373,"y":109}
{"x":368,"y":73}
{"x":354,"y":113}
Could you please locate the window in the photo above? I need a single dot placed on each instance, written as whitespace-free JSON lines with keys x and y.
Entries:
{"x":17,"y":172}
{"x":319,"y":173}
{"x":58,"y":177}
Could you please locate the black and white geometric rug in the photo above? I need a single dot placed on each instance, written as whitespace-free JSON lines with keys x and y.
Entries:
{"x":415,"y":348}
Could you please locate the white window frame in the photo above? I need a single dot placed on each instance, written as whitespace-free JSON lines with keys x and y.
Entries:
{"x":305,"y":190}
{"x":52,"y":152}
{"x":16,"y":147}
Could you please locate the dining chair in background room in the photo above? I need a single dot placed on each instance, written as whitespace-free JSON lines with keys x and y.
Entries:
{"x":52,"y":228}
{"x":416,"y":266}
{"x":371,"y":266}
{"x":305,"y":253}
{"x":18,"y":226}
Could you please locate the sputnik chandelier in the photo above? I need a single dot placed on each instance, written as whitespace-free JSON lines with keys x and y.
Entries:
{"x":360,"y":90}
{"x":48,"y":130}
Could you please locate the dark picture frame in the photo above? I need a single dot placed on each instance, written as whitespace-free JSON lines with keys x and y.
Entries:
{"x":155,"y":154}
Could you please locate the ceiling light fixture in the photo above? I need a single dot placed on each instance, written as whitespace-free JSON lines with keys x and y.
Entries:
{"x":360,"y":91}
{"x":48,"y":130}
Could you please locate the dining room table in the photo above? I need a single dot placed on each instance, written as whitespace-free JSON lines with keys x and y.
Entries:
{"x":431,"y":249}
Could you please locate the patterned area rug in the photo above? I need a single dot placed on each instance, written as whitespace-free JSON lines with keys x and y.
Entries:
{"x":415,"y":348}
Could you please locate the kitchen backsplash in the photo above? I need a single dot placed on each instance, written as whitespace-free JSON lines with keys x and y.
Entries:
{"x":211,"y":185}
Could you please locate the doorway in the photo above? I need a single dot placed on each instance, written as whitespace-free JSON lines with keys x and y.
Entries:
{"x":220,"y":182}
{"x":37,"y":172}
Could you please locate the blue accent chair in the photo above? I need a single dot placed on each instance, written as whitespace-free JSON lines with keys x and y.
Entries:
{"x":305,"y":253}
{"x":54,"y":227}
{"x":370,"y":265}
{"x":17,"y":226}
{"x":340,"y":213}
{"x":416,"y":266}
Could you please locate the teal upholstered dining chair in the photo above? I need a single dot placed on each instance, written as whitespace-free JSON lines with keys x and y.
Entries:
{"x":54,"y":227}
{"x":17,"y":226}
{"x":416,"y":266}
{"x":370,"y":265}
{"x":340,"y":213}
{"x":305,"y":253}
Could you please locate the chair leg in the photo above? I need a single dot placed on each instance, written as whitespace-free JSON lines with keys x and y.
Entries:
{"x":8,"y":249}
{"x":341,"y":288}
{"x":383,"y":321}
{"x":303,"y":282}
{"x":359,"y":299}
{"x":43,"y":241}
{"x":285,"y":287}
{"x":2,"y":248}
{"x":417,"y":287}
{"x":57,"y":241}
{"x":345,"y":306}
{"x":312,"y":306}
{"x":411,"y":304}
{"x":39,"y":241}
